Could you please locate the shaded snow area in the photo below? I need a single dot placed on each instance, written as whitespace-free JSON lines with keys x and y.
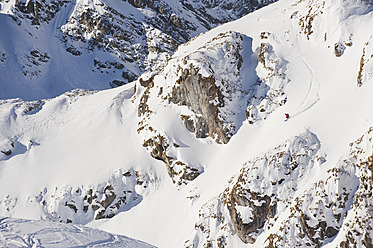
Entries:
{"x":28,"y":233}
{"x":194,"y":150}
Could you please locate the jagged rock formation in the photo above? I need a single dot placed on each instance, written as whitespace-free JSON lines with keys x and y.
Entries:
{"x":35,"y":11}
{"x":306,"y":13}
{"x":207,"y":92}
{"x":262,"y":197}
{"x":211,"y":83}
{"x":118,"y":41}
{"x":365,"y":70}
{"x":158,"y":144}
{"x":268,"y":92}
{"x":357,"y":226}
{"x":218,"y":93}
{"x":264,"y":188}
{"x":84,"y":204}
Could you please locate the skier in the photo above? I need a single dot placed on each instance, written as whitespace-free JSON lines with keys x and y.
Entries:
{"x":287,"y":116}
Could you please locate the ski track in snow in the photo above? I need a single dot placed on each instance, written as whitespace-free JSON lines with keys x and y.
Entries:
{"x":312,"y":95}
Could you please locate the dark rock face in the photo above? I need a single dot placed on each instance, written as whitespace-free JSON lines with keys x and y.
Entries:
{"x":158,"y":145}
{"x":256,"y":198}
{"x":8,"y":152}
{"x":214,"y":92}
{"x":180,"y":172}
{"x":339,"y":49}
{"x":189,"y":123}
{"x":259,"y":213}
{"x":366,"y":61}
{"x":3,"y":57}
{"x":197,"y":92}
{"x":33,"y":63}
{"x":321,"y":229}
{"x":138,"y":3}
{"x":38,"y":11}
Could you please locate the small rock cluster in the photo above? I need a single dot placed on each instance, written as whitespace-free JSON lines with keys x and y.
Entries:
{"x":84,"y":204}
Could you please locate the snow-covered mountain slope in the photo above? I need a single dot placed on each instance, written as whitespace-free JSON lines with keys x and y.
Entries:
{"x":27,"y":233}
{"x":49,"y":47}
{"x":196,"y":152}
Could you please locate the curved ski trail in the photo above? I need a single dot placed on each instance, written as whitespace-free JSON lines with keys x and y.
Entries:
{"x":312,"y":95}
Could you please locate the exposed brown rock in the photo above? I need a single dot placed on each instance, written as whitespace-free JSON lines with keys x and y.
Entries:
{"x":196,"y":92}
{"x":339,"y":48}
{"x":138,"y":3}
{"x":238,"y":197}
{"x":8,"y":152}
{"x":189,"y":123}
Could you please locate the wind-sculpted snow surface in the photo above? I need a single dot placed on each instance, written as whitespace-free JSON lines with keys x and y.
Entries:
{"x":27,"y":233}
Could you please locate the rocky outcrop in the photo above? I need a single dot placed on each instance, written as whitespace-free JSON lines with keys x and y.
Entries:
{"x":3,"y":57}
{"x":256,"y":197}
{"x":305,"y":14}
{"x":32,"y":63}
{"x":268,"y":92}
{"x":268,"y":196}
{"x":198,"y":93}
{"x":37,"y":11}
{"x":214,"y":92}
{"x":83,"y":204}
{"x":339,"y":49}
{"x":180,"y":172}
{"x":315,"y":216}
{"x":259,"y":207}
{"x":366,"y":61}
{"x":157,"y":143}
{"x":357,"y":226}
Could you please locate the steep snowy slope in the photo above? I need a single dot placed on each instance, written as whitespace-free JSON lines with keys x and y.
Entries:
{"x":26,"y":233}
{"x":49,"y":47}
{"x":196,"y":153}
